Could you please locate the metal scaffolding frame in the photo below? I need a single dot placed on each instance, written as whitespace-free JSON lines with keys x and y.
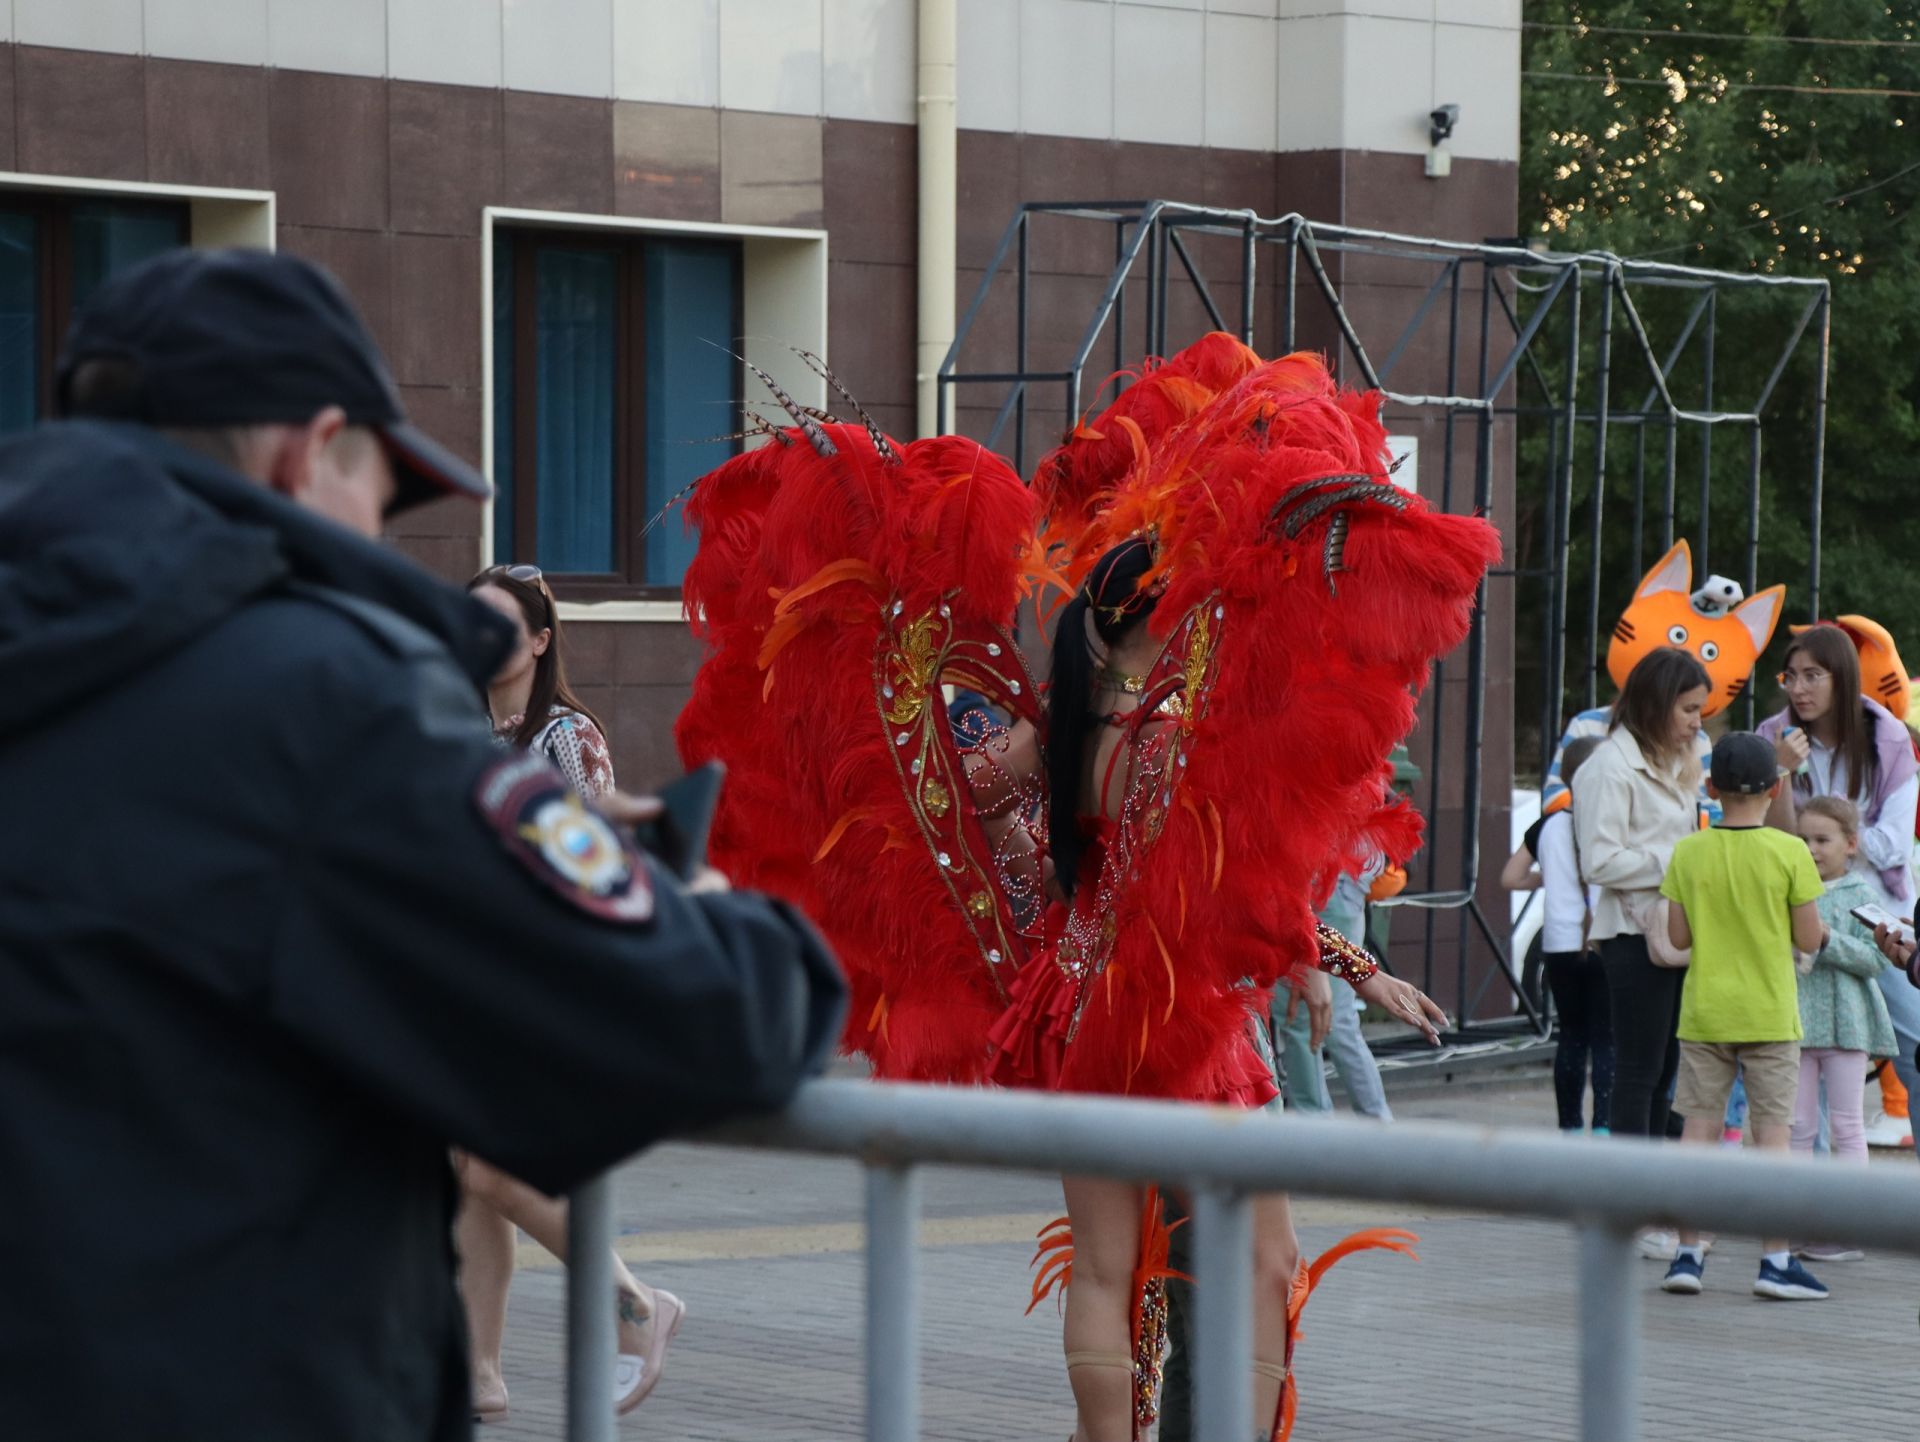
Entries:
{"x":1150,"y":238}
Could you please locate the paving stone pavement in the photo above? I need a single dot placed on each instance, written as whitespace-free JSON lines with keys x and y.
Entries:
{"x":1477,"y":1341}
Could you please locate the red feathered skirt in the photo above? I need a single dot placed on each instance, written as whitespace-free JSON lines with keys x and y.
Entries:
{"x":1031,"y":1040}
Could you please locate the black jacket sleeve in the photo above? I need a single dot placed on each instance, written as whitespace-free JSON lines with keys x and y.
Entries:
{"x":422,"y":955}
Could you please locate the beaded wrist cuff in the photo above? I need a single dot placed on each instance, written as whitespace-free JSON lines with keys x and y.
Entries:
{"x":1340,"y":957}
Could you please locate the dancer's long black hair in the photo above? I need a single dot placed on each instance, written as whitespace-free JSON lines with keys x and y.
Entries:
{"x":1111,"y":594}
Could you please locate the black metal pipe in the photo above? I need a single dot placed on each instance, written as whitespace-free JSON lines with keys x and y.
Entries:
{"x":1553,"y":565}
{"x":1161,"y":346}
{"x":1020,"y":350}
{"x":1533,"y":364}
{"x":1780,"y":366}
{"x":1596,"y":509}
{"x":1419,"y":319}
{"x":1199,"y":284}
{"x":1534,"y":322}
{"x":1819,"y":453}
{"x":1666,"y":495}
{"x":1246,"y":287}
{"x":1679,"y":346}
{"x":1639,"y":504}
{"x":1340,"y":315}
{"x":1703,"y":560}
{"x":1753,"y":540}
{"x":1287,"y":340}
{"x":1562,"y":481}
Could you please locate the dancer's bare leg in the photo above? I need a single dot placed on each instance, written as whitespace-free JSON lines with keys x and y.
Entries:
{"x":544,"y":1218}
{"x":486,"y":1242}
{"x":1099,"y":1321}
{"x":1276,"y":1257}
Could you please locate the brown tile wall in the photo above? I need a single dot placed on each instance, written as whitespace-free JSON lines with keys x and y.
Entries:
{"x":384,"y":182}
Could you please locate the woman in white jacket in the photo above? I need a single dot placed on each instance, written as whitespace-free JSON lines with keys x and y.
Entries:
{"x":1636,"y":796}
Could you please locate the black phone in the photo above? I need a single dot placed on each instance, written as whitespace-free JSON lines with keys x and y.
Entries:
{"x":677,"y":837}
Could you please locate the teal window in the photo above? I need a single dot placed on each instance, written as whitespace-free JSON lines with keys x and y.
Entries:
{"x":615,"y":387}
{"x":54,"y":253}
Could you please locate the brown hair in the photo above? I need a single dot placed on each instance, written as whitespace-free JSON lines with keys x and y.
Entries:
{"x":1832,"y":650}
{"x":1654,"y":687}
{"x":1571,"y":760}
{"x":550,"y":687}
{"x":1837,"y":809}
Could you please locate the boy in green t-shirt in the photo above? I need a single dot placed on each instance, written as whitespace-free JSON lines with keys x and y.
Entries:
{"x":1743,"y":898}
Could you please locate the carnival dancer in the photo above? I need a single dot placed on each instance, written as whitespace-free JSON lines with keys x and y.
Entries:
{"x":1249,"y":574}
{"x":1212,"y":619}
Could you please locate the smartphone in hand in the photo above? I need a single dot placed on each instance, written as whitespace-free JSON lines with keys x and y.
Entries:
{"x":677,"y":837}
{"x":1872,"y":915}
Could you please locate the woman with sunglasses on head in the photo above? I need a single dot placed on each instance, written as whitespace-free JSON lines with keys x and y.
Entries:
{"x":533,"y":707}
{"x":1836,"y":741}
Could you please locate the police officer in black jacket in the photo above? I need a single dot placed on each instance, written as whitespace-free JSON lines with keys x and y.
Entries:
{"x":279,"y":923}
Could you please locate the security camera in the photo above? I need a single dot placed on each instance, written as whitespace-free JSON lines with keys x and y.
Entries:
{"x":1443,"y":119}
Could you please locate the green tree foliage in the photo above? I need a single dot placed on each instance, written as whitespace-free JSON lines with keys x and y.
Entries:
{"x":1717,"y":134}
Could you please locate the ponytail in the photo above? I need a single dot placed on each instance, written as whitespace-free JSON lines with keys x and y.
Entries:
{"x":1069,"y":697}
{"x":1112,"y":598}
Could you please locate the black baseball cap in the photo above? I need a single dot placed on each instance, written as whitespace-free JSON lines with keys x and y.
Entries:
{"x":1743,"y":764}
{"x":249,"y":337}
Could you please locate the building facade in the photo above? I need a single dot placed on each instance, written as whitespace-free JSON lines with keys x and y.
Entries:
{"x":564,"y":218}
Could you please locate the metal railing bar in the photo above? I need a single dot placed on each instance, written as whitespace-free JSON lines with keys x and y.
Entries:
{"x":1193,"y":274}
{"x":972,"y":312}
{"x":1679,"y":346}
{"x":1626,"y":1181}
{"x":1513,"y":321}
{"x":1609,"y":1334}
{"x":893,"y":1311}
{"x":1456,"y":403}
{"x":1786,"y":355}
{"x":1014,"y":398}
{"x":1412,"y":328}
{"x":1339,"y":308}
{"x":1522,"y":345}
{"x":1006,"y":377}
{"x":1824,"y":362}
{"x":1223,"y":1314}
{"x":590,"y":1313}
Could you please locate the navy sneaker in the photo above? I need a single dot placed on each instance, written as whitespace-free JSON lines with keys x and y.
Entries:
{"x":1683,"y":1275}
{"x":1791,"y":1283}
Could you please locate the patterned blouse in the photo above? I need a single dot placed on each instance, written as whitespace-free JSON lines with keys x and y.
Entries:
{"x":574,"y":744}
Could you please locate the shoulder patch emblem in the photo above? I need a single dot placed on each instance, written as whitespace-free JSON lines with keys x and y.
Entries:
{"x":581,"y":855}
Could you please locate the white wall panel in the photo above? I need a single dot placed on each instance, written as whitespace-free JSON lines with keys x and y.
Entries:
{"x":1242,"y":82}
{"x":452,"y":42}
{"x":231,"y":32}
{"x":1066,"y":67}
{"x":871,"y":59}
{"x":1159,"y":75}
{"x":113,"y":25}
{"x":989,"y":65}
{"x":1309,"y":83}
{"x":1387,"y":67}
{"x":667,"y":51}
{"x":770,"y":55}
{"x":564,"y":47}
{"x":342,"y":37}
{"x":1478,"y":69}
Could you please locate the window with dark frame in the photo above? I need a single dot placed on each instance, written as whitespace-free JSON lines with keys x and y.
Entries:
{"x":615,"y":387}
{"x":54,"y":252}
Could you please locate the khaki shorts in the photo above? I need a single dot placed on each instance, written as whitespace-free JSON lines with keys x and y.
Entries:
{"x":1772,"y":1070}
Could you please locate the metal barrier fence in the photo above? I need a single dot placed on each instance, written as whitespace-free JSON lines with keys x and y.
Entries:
{"x":1223,"y":1157}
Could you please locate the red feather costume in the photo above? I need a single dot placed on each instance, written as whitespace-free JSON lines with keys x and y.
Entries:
{"x":836,"y":594}
{"x":842,"y":581}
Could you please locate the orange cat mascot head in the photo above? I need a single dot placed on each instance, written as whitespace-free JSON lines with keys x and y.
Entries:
{"x":1883,"y":675}
{"x":1725,"y":633}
